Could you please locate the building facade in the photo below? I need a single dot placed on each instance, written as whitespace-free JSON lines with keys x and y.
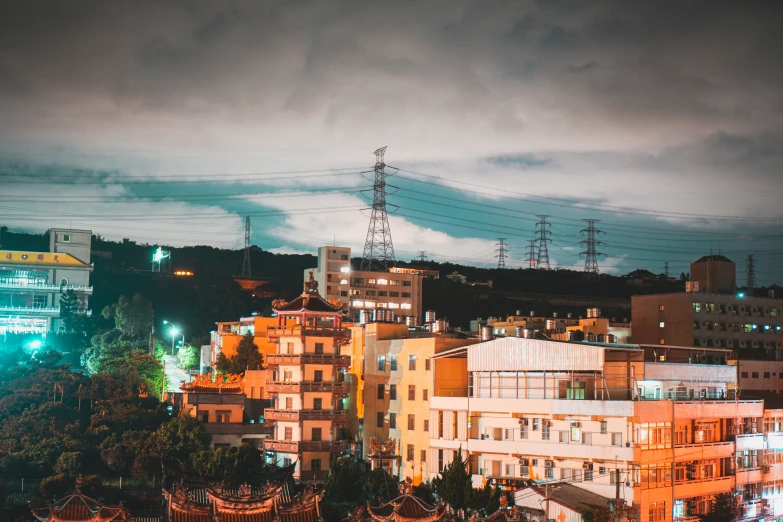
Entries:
{"x":309,"y":416}
{"x":32,"y":283}
{"x":715,"y":274}
{"x":364,"y":291}
{"x":670,"y":433}
{"x":225,"y":339}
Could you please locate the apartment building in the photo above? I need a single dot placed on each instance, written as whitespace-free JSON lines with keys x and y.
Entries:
{"x":225,"y":339}
{"x":592,"y":327}
{"x":398,"y":384}
{"x":749,"y":326}
{"x":32,"y":283}
{"x":364,"y":291}
{"x":662,"y":423}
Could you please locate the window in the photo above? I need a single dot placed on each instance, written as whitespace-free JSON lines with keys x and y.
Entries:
{"x":536,"y":424}
{"x":576,"y":431}
{"x":392,"y":421}
{"x":411,"y":392}
{"x":766,"y":375}
{"x":394,"y":294}
{"x":440,"y":460}
{"x":289,"y":403}
{"x":424,"y":455}
{"x":412,"y":363}
{"x":318,"y":375}
{"x":755,"y":375}
{"x":545,"y":430}
{"x":381,"y":392}
{"x":697,"y":307}
{"x":426,"y":425}
{"x":222,"y":416}
{"x":744,"y":375}
{"x":40,"y":300}
{"x":661,"y":324}
{"x":410,"y":452}
{"x":289,"y":348}
{"x":289,"y":433}
{"x":286,"y":461}
{"x":393,"y":363}
{"x":316,"y":434}
{"x":661,"y":341}
{"x":315,"y":465}
{"x":657,"y":512}
{"x":604,"y":425}
{"x":318,"y":403}
{"x":411,"y":422}
{"x":575,"y":390}
{"x":427,"y":364}
{"x":440,"y":424}
{"x":425,"y":395}
{"x":381,"y":363}
{"x":66,"y":238}
{"x":319,"y":348}
{"x":661,"y":308}
{"x":379,"y":420}
{"x":406,"y":294}
{"x":392,"y":392}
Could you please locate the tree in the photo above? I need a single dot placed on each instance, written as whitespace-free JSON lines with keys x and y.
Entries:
{"x":133,"y":317}
{"x":69,"y":463}
{"x":69,"y":311}
{"x":379,"y":486}
{"x":247,"y":357}
{"x":188,"y":356}
{"x":180,"y":438}
{"x":454,"y":484}
{"x":722,"y":509}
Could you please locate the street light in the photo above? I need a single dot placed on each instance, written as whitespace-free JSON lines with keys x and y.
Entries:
{"x":174,"y":332}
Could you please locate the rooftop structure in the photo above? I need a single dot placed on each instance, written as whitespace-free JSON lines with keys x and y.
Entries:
{"x":715,"y":274}
{"x":32,"y":283}
{"x":78,"y":507}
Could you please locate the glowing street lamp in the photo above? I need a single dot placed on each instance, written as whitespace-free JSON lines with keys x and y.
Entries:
{"x":174,"y":332}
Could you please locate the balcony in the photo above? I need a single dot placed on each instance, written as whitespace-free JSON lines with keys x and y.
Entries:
{"x":342,"y":361}
{"x":236,"y":428}
{"x":7,"y":285}
{"x":39,"y":311}
{"x":293,"y":446}
{"x":298,"y":331}
{"x":698,"y":488}
{"x":313,"y":476}
{"x":338,"y":388}
{"x":271,"y":414}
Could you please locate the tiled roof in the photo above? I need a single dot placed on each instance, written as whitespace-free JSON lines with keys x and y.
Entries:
{"x":77,"y":507}
{"x":308,"y":303}
{"x":573,"y":497}
{"x":406,"y":507}
{"x":716,"y":257}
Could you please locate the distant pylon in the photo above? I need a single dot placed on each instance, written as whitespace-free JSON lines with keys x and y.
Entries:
{"x":422,"y":256}
{"x":531,"y":253}
{"x":542,"y":231}
{"x":750,"y":274}
{"x":501,"y":252}
{"x":666,"y":269}
{"x":590,"y":254}
{"x":378,"y":248}
{"x":246,"y":261}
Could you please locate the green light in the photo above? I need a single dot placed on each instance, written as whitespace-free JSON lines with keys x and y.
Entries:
{"x":740,"y":294}
{"x":158,"y":254}
{"x":174,"y":331}
{"x":35,"y":344}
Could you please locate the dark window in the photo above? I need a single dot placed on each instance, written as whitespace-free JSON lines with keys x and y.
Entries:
{"x":316,"y":435}
{"x":406,"y":283}
{"x":426,"y":425}
{"x":380,"y":419}
{"x":427,"y":364}
{"x":381,"y":363}
{"x":755,"y":375}
{"x":289,"y":433}
{"x":411,"y":392}
{"x":411,"y":422}
{"x":406,"y":294}
{"x":744,"y":375}
{"x":392,"y":392}
{"x":393,"y":363}
{"x":394,"y":294}
{"x":766,"y":375}
{"x":424,"y":455}
{"x":315,"y":465}
{"x":410,"y":452}
{"x":381,"y":392}
{"x":425,"y":395}
{"x":412,"y":362}
{"x":344,"y":293}
{"x":319,"y":347}
{"x":392,"y":421}
{"x":318,"y":375}
{"x":440,"y":460}
{"x":318,"y":403}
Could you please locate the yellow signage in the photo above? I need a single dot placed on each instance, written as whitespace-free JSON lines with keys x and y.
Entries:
{"x":9,"y":257}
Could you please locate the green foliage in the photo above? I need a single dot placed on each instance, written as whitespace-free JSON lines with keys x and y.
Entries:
{"x":57,"y":486}
{"x":348,"y":486}
{"x":454,"y":484}
{"x":722,"y":509}
{"x":188,"y":356}
{"x":228,"y":464}
{"x":247,"y":357}
{"x":485,"y":500}
{"x":180,"y":438}
{"x":132,"y":317}
{"x":74,"y":320}
{"x":378,"y":486}
{"x":597,"y":514}
{"x":69,"y":463}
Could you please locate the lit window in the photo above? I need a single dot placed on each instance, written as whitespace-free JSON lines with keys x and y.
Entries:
{"x":383,"y":282}
{"x":661,"y":308}
{"x":393,"y":305}
{"x":660,"y":325}
{"x":358,"y":304}
{"x":345,"y":269}
{"x":343,"y":281}
{"x":405,"y":306}
{"x":369,"y":304}
{"x":661,"y":341}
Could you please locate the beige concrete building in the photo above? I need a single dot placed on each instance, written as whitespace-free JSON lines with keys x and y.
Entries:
{"x":398,"y":384}
{"x":669,"y":432}
{"x":227,"y":336}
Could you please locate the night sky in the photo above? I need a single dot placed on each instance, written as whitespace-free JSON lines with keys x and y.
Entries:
{"x":168,"y":122}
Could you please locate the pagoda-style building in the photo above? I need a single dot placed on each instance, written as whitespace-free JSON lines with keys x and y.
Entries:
{"x":405,"y":508}
{"x":78,"y":507}
{"x":310,"y":415}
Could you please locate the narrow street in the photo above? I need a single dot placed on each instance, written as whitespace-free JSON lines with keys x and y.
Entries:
{"x":174,"y":374}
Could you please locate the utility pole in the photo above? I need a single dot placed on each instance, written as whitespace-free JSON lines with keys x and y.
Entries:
{"x":246,"y":261}
{"x":501,"y":252}
{"x":590,"y":254}
{"x":531,"y":253}
{"x":378,"y":248}
{"x":542,"y":231}
{"x":750,"y":274}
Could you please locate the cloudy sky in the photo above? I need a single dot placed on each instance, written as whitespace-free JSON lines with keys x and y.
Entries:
{"x":170,"y":122}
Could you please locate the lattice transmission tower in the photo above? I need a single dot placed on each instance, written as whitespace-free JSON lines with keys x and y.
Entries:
{"x":590,"y":253}
{"x":542,"y":231}
{"x":501,"y":252}
{"x":531,"y":253}
{"x":246,"y":261}
{"x":666,"y":269}
{"x":750,"y":274}
{"x":378,"y":248}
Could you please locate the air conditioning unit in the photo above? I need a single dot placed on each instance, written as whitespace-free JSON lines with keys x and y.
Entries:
{"x":765,"y":469}
{"x":549,"y":463}
{"x":547,"y":423}
{"x":523,"y":422}
{"x":524,"y":462}
{"x":602,"y":470}
{"x":587,"y":465}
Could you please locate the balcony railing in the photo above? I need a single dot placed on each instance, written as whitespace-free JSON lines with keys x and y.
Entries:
{"x":313,"y":476}
{"x":298,"y":331}
{"x":342,"y":388}
{"x":236,"y":428}
{"x":343,"y":361}
{"x":45,"y":288}
{"x":292,"y":446}
{"x":297,"y":415}
{"x":32,"y":310}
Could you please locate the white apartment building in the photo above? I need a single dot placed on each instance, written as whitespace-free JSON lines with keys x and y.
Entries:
{"x":399,"y":292}
{"x":662,"y":423}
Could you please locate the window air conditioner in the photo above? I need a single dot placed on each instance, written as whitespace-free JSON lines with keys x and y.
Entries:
{"x":549,"y":463}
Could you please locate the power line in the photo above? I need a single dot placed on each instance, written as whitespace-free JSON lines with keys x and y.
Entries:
{"x":591,"y":243}
{"x":422,"y":256}
{"x":501,"y":252}
{"x":246,"y":261}
{"x":378,"y":248}
{"x":542,"y":231}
